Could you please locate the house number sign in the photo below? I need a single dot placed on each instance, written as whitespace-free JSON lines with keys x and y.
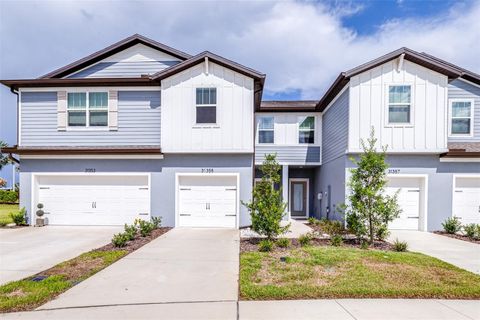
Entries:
{"x":90,"y":170}
{"x":393,"y":171}
{"x":207,"y":170}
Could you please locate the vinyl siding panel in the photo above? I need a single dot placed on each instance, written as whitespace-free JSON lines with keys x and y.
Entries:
{"x":123,"y":69}
{"x":335,"y":129}
{"x":458,"y":89}
{"x":289,"y":154}
{"x":139,"y":117}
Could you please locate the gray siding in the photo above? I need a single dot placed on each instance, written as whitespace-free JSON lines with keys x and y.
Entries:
{"x":289,"y":154}
{"x":162,"y":177}
{"x":335,"y":129}
{"x":123,"y":69}
{"x":138,"y":122}
{"x":458,"y":89}
{"x":330,"y":174}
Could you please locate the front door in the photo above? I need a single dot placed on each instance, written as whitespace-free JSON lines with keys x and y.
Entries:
{"x":298,"y":198}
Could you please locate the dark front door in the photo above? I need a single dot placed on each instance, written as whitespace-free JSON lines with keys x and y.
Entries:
{"x":298,"y":198}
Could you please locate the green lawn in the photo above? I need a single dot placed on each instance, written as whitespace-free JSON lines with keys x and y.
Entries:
{"x":27,"y":294}
{"x":5,"y":210}
{"x":332,"y":272}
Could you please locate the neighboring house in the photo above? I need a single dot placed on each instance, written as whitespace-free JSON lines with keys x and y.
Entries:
{"x":427,"y":112}
{"x":136,"y":130}
{"x":140,"y":129}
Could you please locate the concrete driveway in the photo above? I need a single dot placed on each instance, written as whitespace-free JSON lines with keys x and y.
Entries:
{"x":463,"y":254}
{"x":182,"y":266}
{"x":27,"y":251}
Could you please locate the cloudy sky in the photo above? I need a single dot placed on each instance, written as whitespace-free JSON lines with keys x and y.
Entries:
{"x":300,"y":45}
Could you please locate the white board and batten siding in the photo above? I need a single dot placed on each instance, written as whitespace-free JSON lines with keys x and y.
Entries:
{"x":233,"y":132}
{"x":427,"y":132}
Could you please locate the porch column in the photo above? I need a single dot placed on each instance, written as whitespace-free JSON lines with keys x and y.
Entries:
{"x":285,"y":187}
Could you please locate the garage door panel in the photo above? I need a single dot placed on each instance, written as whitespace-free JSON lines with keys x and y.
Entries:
{"x":466,"y":199}
{"x":408,"y":196}
{"x":70,"y":200}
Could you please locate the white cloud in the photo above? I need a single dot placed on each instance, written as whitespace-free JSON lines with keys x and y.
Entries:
{"x":299,"y":45}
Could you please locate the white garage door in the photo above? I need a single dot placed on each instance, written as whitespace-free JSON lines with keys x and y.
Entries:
{"x":94,"y":200}
{"x":207,"y":201}
{"x":408,"y":200}
{"x":466,"y":199}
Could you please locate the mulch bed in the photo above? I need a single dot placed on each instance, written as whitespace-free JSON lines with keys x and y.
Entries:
{"x":138,"y":242}
{"x":457,"y":236}
{"x":251,"y":244}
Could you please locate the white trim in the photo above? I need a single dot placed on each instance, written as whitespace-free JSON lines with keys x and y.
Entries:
{"x":449,"y":159}
{"x":424,"y":186}
{"x":454,"y":183}
{"x":34,"y":185}
{"x":93,"y":156}
{"x":414,"y":151}
{"x":286,"y":163}
{"x":307,"y":211}
{"x":82,"y":89}
{"x":197,"y":174}
{"x":400,"y":62}
{"x":411,"y":115}
{"x":472,"y":116}
{"x":87,"y":112}
{"x":337,"y":96}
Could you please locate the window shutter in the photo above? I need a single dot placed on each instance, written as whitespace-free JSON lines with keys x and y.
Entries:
{"x":113,"y":110}
{"x":62,"y":110}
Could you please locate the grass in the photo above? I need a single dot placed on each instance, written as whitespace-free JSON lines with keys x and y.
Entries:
{"x":5,"y":210}
{"x":332,"y":272}
{"x":27,"y":294}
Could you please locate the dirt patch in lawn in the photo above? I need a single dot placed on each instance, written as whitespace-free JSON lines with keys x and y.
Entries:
{"x":251,"y":244}
{"x":138,"y":242}
{"x":458,"y":236}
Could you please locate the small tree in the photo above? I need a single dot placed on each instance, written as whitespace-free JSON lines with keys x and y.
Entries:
{"x":4,"y":160}
{"x":267,"y":208}
{"x":370,"y":210}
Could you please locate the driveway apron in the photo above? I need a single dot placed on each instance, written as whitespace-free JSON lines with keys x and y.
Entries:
{"x":182,"y":266}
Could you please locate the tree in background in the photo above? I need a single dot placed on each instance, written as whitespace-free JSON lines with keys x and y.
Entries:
{"x":267,"y":208}
{"x":370,"y":210}
{"x":4,"y":160}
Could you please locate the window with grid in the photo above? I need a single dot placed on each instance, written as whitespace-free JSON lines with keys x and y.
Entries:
{"x":206,"y":105}
{"x":306,"y":129}
{"x":87,"y":109}
{"x":266,"y":133}
{"x":399,"y":104}
{"x":461,"y":117}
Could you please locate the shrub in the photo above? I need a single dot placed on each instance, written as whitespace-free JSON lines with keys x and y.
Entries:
{"x":157,"y":222}
{"x":267,"y":208}
{"x":382,"y":233}
{"x":19,"y":217}
{"x":305,"y":239}
{"x":400,"y":246}
{"x":130,"y":231}
{"x":145,"y":227}
{"x":265,"y":245}
{"x":120,"y":240}
{"x":332,"y":227}
{"x":452,"y":225}
{"x":336,"y":240}
{"x":472,"y":231}
{"x":8,"y":196}
{"x":364,"y":245}
{"x":284,"y":242}
{"x":313,"y":221}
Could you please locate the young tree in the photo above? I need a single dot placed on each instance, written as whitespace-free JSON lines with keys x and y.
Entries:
{"x":4,"y":160}
{"x":370,"y":210}
{"x":267,"y":208}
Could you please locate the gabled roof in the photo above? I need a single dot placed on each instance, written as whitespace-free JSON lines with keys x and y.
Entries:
{"x":450,"y":70}
{"x":112,"y":49}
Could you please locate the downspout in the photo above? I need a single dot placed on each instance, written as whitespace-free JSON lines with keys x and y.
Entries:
{"x":12,"y":90}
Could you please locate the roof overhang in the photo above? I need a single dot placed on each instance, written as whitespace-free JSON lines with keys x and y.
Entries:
{"x":288,"y":106}
{"x":82,"y":82}
{"x":101,"y":150}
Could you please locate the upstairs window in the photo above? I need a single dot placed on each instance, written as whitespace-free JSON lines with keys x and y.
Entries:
{"x":399,"y":104}
{"x":461,"y":116}
{"x":266,"y":131}
{"x":87,"y":109}
{"x":206,"y":105}
{"x":306,"y":129}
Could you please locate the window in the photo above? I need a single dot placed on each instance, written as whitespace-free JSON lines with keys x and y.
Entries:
{"x":399,"y":104}
{"x":206,"y":105}
{"x":306,"y":130}
{"x":266,"y":130}
{"x":87,"y":109}
{"x":461,"y":112}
